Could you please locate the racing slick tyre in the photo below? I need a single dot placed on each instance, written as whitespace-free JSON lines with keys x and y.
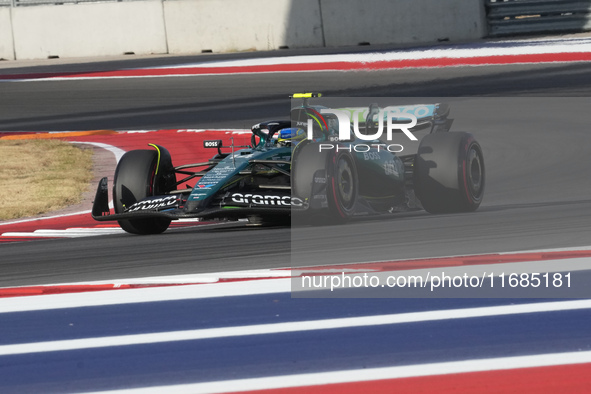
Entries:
{"x":449,"y":173}
{"x":308,"y":178}
{"x":342,"y":186}
{"x":135,"y":179}
{"x":307,"y":164}
{"x":315,"y":173}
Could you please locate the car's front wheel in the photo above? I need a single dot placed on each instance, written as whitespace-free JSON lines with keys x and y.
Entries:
{"x":342,"y":185}
{"x":135,"y":179}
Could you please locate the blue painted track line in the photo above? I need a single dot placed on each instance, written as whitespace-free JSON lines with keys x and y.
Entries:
{"x":126,"y":319}
{"x":298,"y":352}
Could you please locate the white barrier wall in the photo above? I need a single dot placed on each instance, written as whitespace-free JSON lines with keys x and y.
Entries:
{"x":6,"y":48}
{"x":98,"y":29}
{"x":350,"y":22}
{"x":193,"y":26}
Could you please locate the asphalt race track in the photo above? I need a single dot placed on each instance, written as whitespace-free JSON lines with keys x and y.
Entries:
{"x":252,"y":334}
{"x":536,"y":151}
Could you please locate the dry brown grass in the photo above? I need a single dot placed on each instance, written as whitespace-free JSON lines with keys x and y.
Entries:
{"x":38,"y":176}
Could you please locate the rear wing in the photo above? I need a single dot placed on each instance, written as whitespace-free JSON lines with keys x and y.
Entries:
{"x":427,"y":115}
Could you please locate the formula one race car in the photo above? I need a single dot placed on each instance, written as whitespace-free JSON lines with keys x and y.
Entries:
{"x":310,"y":165}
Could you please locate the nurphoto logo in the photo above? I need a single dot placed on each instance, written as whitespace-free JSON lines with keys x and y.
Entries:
{"x":395,"y":119}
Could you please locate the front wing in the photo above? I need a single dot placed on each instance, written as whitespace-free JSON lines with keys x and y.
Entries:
{"x":101,"y":211}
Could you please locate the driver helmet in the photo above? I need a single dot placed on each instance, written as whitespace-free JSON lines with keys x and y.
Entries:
{"x":291,"y":136}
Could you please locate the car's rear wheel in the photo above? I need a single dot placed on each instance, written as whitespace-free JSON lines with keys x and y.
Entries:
{"x":135,"y":179}
{"x":449,"y":173}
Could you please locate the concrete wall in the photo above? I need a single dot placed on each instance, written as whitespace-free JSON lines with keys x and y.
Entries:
{"x":6,"y":48}
{"x":98,"y":29}
{"x":193,"y":26}
{"x":239,"y":25}
{"x":350,"y":22}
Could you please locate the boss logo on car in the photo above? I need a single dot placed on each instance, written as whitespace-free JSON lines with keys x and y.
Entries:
{"x":154,"y":204}
{"x":212,"y":143}
{"x":258,"y":199}
{"x":371,"y":156}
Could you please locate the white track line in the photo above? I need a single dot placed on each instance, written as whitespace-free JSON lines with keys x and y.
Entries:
{"x":300,"y":326}
{"x":154,"y":294}
{"x":8,"y":223}
{"x":514,"y":48}
{"x":205,"y":285}
{"x":113,"y":149}
{"x":366,"y":375}
{"x":68,"y":233}
{"x":78,"y":232}
{"x":519,"y":48}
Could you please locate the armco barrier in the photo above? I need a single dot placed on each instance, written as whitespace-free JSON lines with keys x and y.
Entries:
{"x":351,"y":22}
{"x":536,"y":16}
{"x":98,"y":29}
{"x":238,"y":25}
{"x":6,"y":43}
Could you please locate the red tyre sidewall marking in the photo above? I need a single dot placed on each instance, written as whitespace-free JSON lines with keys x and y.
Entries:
{"x":464,"y":170}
